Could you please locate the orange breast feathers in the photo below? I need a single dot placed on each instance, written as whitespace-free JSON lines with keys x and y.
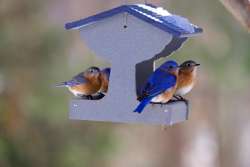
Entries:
{"x":165,"y":96}
{"x":92,"y":86}
{"x":185,"y":82}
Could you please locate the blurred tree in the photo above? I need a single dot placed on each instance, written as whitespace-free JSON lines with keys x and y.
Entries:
{"x":35,"y":130}
{"x":33,"y":120}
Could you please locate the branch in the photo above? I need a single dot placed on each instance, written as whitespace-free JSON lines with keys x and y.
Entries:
{"x":240,"y":10}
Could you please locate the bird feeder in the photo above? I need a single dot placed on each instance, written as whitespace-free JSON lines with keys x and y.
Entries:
{"x":131,"y":37}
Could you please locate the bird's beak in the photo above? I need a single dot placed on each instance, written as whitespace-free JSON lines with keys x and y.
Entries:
{"x":197,"y":64}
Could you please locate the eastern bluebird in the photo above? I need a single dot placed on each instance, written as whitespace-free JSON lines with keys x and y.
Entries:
{"x":160,"y":86}
{"x":84,"y":84}
{"x":186,"y":78}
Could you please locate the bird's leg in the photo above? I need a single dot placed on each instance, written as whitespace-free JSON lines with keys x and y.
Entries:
{"x":176,"y":97}
{"x":182,"y":98}
{"x":172,"y":101}
{"x":179,"y":97}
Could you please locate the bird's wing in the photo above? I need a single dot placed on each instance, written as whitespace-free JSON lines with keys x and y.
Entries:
{"x":77,"y":80}
{"x":158,"y":83}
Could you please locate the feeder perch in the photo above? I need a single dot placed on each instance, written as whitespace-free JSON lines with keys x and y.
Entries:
{"x":131,"y":37}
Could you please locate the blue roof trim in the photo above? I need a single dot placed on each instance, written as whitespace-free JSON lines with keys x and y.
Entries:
{"x":171,"y":26}
{"x":174,"y":24}
{"x":155,"y":23}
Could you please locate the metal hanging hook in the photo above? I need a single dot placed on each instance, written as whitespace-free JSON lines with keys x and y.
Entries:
{"x":125,"y":20}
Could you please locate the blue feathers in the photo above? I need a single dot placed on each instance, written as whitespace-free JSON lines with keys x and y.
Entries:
{"x":143,"y":104}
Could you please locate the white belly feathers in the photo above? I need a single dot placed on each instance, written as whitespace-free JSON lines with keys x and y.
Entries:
{"x":184,"y":90}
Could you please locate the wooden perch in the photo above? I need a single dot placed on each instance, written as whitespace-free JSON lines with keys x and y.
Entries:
{"x":240,"y":10}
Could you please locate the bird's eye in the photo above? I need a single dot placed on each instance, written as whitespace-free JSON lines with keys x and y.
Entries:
{"x":188,"y":64}
{"x":170,"y":67}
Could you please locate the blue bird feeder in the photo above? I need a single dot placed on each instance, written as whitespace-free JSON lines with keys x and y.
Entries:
{"x":131,"y":37}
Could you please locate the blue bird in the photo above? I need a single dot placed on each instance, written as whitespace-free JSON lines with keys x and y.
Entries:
{"x":160,"y":86}
{"x":84,"y":84}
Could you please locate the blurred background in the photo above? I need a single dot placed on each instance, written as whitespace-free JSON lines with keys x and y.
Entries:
{"x":36,"y":52}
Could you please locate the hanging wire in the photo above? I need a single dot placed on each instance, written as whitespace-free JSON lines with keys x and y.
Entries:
{"x":125,"y":2}
{"x":125,"y":20}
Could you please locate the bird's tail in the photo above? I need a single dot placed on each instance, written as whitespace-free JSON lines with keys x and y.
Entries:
{"x":142,"y":105}
{"x":62,"y":84}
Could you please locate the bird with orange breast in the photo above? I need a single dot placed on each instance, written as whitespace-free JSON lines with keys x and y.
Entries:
{"x":187,"y":77}
{"x":85,"y":84}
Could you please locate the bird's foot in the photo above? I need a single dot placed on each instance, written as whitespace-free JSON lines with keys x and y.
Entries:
{"x":183,"y":99}
{"x":172,"y":101}
{"x":98,"y":96}
{"x":93,"y":97}
{"x":178,"y":97}
{"x":101,"y":95}
{"x":89,"y":97}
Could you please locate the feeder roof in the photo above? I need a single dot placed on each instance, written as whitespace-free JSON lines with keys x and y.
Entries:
{"x":156,"y":16}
